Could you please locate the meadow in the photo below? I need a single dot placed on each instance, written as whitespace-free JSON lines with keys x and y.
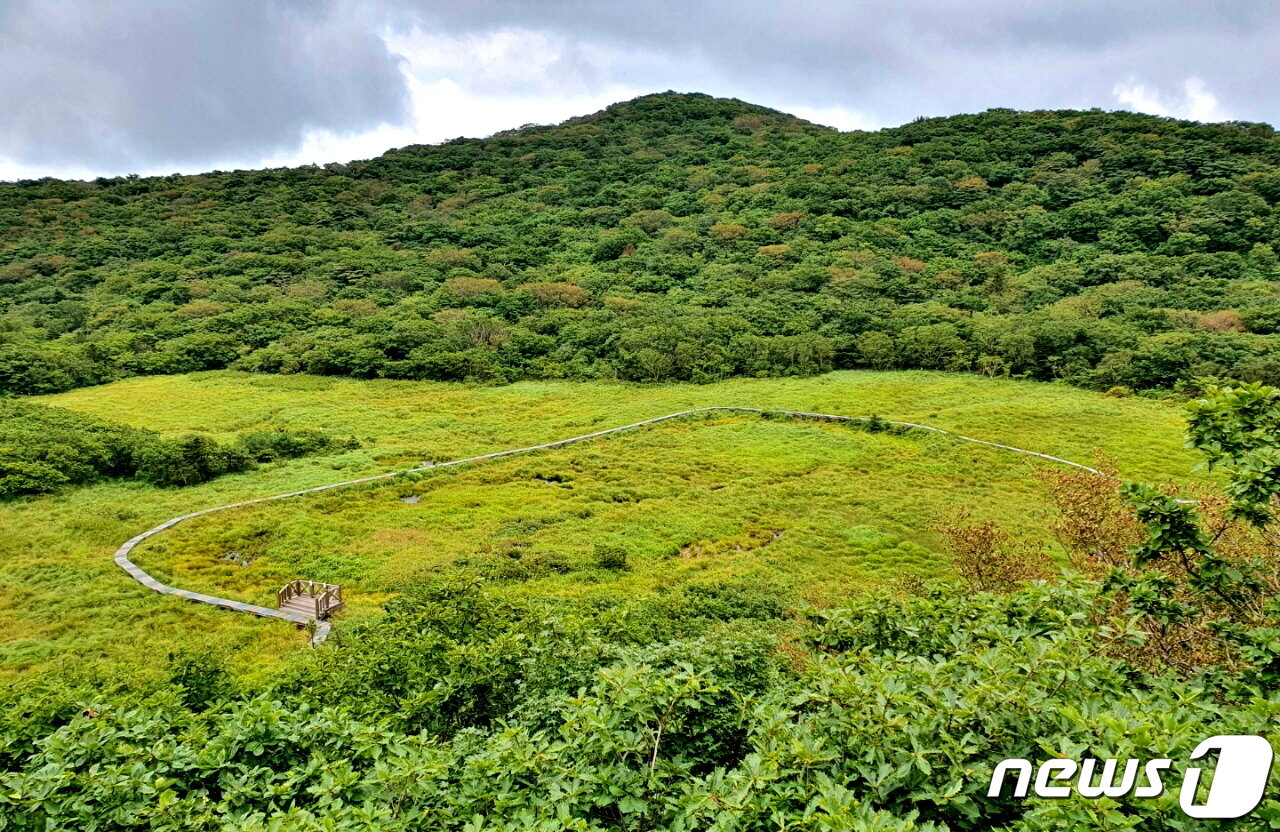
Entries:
{"x":822,"y":510}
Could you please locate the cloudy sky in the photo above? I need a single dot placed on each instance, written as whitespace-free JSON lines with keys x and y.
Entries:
{"x":91,"y":88}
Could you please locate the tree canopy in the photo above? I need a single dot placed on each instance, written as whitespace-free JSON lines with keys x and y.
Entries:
{"x":673,"y":237}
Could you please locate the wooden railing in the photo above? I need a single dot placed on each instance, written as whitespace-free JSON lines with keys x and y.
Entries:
{"x":326,"y":597}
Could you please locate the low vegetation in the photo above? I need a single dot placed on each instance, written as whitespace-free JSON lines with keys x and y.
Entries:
{"x":687,"y":500}
{"x":460,"y":711}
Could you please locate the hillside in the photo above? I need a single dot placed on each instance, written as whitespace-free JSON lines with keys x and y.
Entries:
{"x":673,"y":237}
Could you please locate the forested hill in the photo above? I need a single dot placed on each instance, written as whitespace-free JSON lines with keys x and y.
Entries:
{"x":673,"y":237}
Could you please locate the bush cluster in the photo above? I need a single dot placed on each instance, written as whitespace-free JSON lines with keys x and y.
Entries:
{"x":709,"y":709}
{"x":43,"y":449}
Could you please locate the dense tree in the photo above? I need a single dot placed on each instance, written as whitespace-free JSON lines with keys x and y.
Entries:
{"x":649,"y":240}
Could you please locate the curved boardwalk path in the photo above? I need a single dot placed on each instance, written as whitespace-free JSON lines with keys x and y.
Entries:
{"x":322,"y":627}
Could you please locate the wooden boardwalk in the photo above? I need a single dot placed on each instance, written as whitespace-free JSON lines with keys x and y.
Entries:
{"x":294,"y":616}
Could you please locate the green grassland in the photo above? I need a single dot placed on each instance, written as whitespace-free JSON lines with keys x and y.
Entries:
{"x":824,"y":509}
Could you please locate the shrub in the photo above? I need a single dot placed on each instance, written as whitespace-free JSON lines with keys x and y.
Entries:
{"x":988,"y":559}
{"x":201,"y":678}
{"x":610,"y":557}
{"x":20,"y":476}
{"x":45,"y":448}
{"x":189,"y":460}
{"x":268,"y":446}
{"x":460,"y":705}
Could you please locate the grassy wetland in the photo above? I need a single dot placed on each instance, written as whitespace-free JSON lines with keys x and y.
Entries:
{"x":819,"y":509}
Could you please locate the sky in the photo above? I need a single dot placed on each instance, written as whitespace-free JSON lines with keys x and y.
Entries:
{"x":91,"y":88}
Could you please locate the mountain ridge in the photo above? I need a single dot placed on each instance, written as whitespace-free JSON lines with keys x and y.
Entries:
{"x":638,"y":108}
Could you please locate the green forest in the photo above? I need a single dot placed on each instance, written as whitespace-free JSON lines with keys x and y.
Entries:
{"x":673,"y":237}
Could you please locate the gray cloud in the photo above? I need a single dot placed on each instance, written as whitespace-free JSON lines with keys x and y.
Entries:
{"x":150,"y":83}
{"x":902,"y":58}
{"x":137,"y":82}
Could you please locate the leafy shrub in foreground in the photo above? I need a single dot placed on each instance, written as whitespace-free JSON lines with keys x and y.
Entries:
{"x":890,"y":716}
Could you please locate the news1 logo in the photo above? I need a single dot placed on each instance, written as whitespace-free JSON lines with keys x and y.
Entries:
{"x":1239,"y":778}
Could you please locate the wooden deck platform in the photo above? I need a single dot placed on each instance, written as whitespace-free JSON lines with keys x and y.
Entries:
{"x":311,"y":599}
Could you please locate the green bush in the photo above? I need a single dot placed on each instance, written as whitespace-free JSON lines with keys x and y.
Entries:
{"x":188,"y":461}
{"x":22,"y":476}
{"x":43,"y":449}
{"x":269,"y":446}
{"x":460,"y":707}
{"x":200,"y":677}
{"x":610,"y":557}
